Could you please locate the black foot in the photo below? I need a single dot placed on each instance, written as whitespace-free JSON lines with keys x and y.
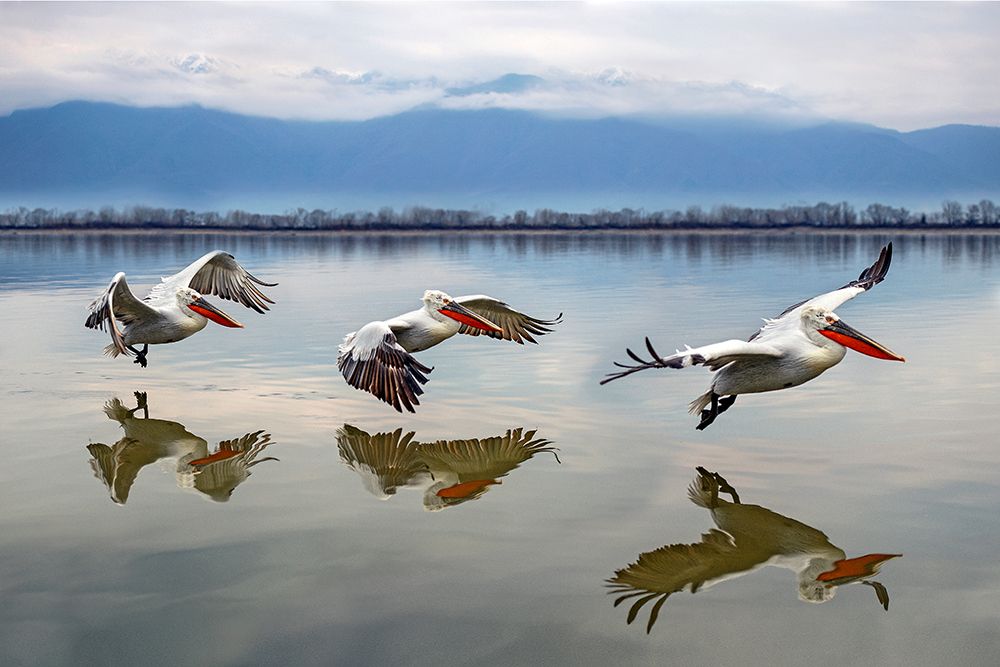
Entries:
{"x":140,"y":357}
{"x":708,"y":416}
{"x":719,"y":405}
{"x":723,"y":485}
{"x":140,"y":403}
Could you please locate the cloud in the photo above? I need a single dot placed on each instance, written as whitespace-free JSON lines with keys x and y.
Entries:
{"x":898,"y":65}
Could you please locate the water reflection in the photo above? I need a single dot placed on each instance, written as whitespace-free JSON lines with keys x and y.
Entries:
{"x":146,"y":440}
{"x":59,"y":256}
{"x":749,"y":537}
{"x":450,"y":472}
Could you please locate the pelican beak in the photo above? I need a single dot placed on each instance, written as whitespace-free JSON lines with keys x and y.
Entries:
{"x":848,"y":336}
{"x":466,"y":489}
{"x":854,"y":569}
{"x":206,"y":309}
{"x":220,"y":455}
{"x":460,"y":313}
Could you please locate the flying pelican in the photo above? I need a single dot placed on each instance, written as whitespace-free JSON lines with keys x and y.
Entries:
{"x":148,"y":440}
{"x":377,"y":358}
{"x":450,"y":472}
{"x":748,"y":538}
{"x":174,"y":309}
{"x":799,"y":344}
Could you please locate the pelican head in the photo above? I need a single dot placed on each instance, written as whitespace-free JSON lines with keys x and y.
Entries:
{"x":194,"y":304}
{"x":817,"y":320}
{"x":439,"y":304}
{"x":819,"y":580}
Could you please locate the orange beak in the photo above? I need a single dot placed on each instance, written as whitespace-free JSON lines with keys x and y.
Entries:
{"x":221,"y":455}
{"x":460,"y":313}
{"x":205,"y":309}
{"x":848,"y":336}
{"x":465,"y":489}
{"x":852,"y":569}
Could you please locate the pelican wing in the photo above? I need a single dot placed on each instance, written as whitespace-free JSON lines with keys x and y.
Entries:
{"x":482,"y":458}
{"x":516,"y":326}
{"x":715,"y":356}
{"x":217,"y":273}
{"x":657,"y":575}
{"x":372,"y":360}
{"x":384,"y":461}
{"x":119,"y":465}
{"x":117,"y":303}
{"x":218,"y":474}
{"x":103,"y":463}
{"x":870,"y":277}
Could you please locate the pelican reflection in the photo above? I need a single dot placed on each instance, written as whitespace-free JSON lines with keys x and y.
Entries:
{"x":214,"y":474}
{"x":450,"y":472}
{"x":748,"y":537}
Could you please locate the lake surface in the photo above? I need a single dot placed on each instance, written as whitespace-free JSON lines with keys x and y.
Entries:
{"x":114,"y":552}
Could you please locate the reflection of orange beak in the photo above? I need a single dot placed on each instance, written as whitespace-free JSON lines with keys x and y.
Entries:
{"x":220,"y":455}
{"x":852,"y":569}
{"x":466,"y":489}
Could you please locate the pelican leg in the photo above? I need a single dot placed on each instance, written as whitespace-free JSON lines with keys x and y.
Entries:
{"x":725,"y":403}
{"x":724,"y":486}
{"x":708,"y":416}
{"x":718,"y":406}
{"x":720,"y":486}
{"x":140,"y":403}
{"x":140,"y":357}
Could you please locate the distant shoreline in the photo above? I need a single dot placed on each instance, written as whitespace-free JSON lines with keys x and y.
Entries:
{"x":938,"y":230}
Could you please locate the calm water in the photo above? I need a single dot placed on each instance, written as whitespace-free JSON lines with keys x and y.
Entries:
{"x":314,"y":558}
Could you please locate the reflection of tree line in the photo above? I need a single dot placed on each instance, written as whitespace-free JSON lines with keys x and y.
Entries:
{"x":837,"y":216}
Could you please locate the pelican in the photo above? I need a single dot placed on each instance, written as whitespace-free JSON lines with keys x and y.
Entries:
{"x":175,"y":308}
{"x":450,"y":472}
{"x":748,"y":538}
{"x":802,"y":342}
{"x":377,"y":358}
{"x":146,"y":441}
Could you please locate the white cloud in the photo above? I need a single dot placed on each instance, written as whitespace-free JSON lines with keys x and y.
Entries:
{"x":900,"y":65}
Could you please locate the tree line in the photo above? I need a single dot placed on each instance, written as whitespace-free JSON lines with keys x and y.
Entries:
{"x":836,"y":216}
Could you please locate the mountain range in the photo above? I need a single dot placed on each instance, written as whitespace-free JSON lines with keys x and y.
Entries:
{"x":97,"y":153}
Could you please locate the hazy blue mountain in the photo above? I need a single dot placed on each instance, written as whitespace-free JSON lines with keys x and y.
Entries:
{"x":190,"y":156}
{"x":508,"y":83}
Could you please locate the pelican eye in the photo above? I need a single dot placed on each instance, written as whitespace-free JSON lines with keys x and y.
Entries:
{"x":830,"y":320}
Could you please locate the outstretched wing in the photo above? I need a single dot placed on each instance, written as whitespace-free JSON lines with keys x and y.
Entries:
{"x":371,"y":360}
{"x":715,"y":356}
{"x":657,"y":575}
{"x":117,"y":303}
{"x":384,"y":461}
{"x":516,"y":326}
{"x":217,"y":273}
{"x":218,"y":474}
{"x":481,"y":458}
{"x":870,"y":277}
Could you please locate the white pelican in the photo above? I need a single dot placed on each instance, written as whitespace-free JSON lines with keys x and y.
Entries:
{"x":377,"y":358}
{"x":216,"y":475}
{"x":450,"y":472}
{"x":799,"y":344}
{"x":174,"y":309}
{"x":749,"y":537}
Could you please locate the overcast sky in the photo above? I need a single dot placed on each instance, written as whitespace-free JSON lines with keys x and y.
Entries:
{"x":898,"y":65}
